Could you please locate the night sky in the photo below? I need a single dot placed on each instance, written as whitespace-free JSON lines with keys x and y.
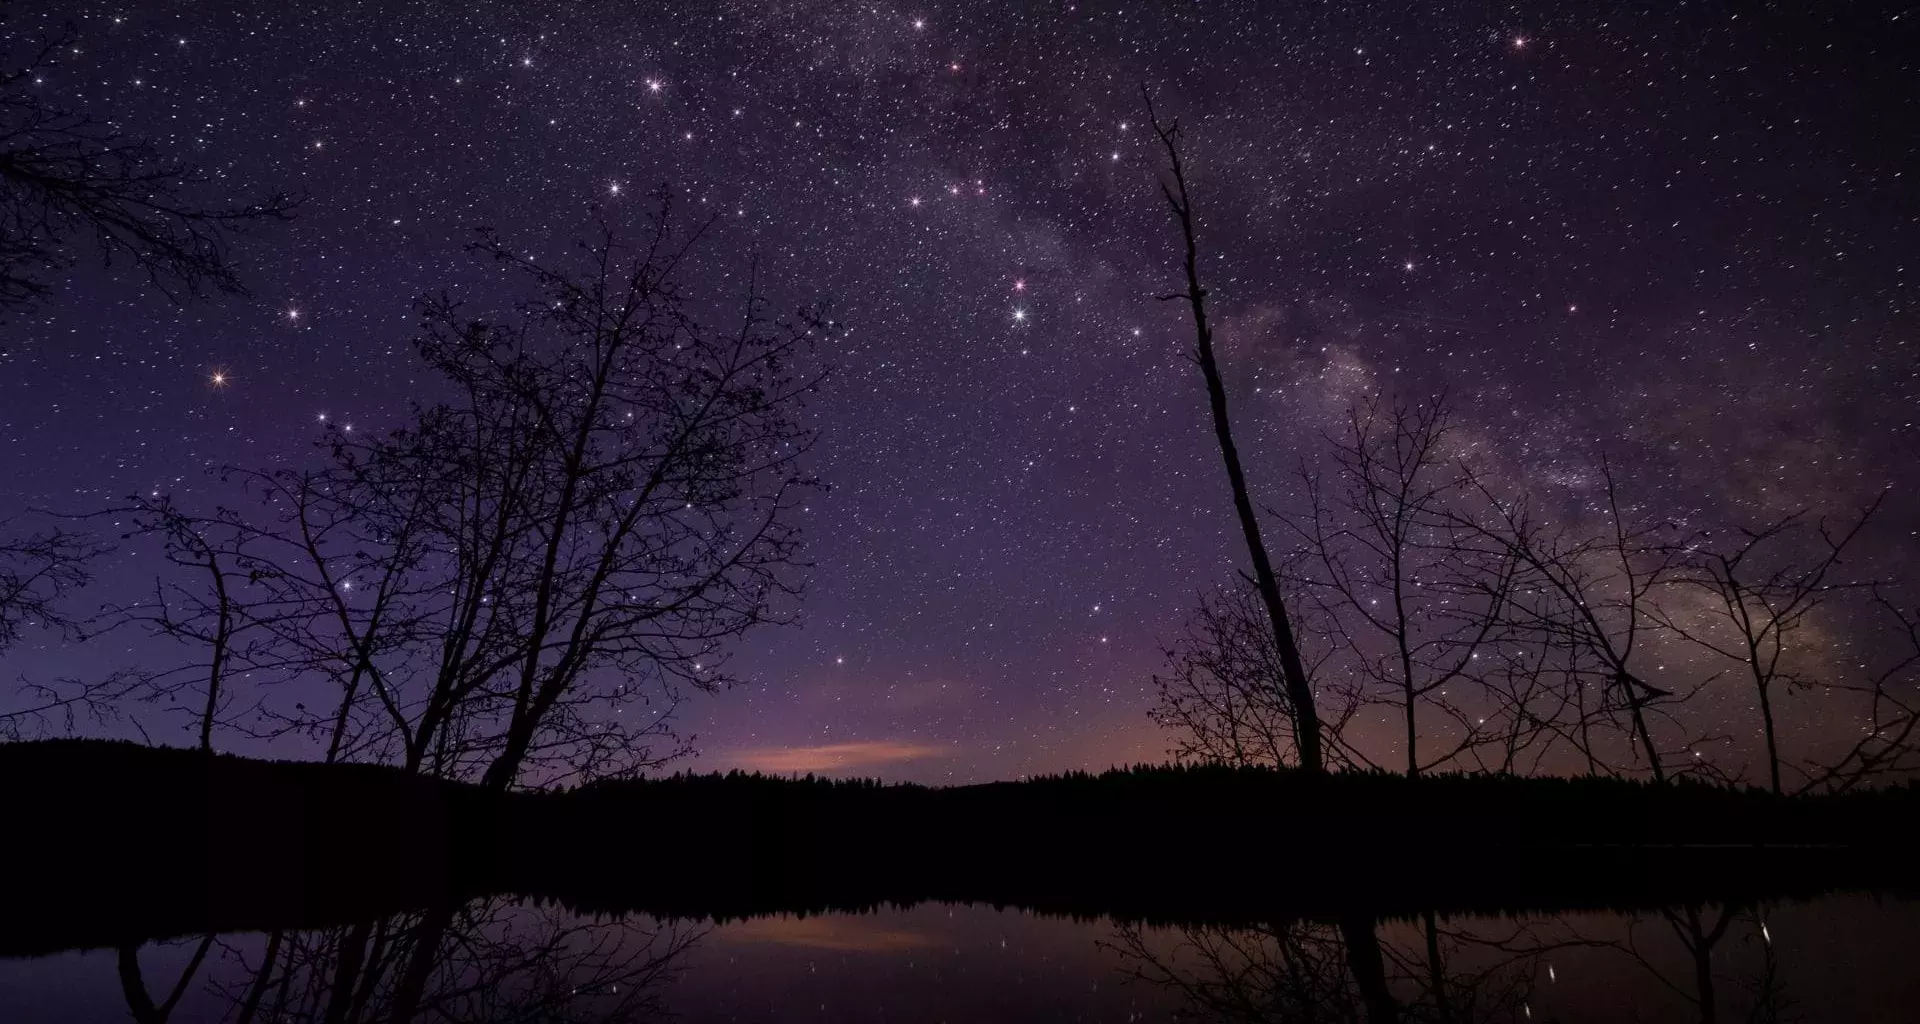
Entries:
{"x":1687,"y":237}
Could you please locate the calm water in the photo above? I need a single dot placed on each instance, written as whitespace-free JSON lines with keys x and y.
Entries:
{"x":1840,"y":958}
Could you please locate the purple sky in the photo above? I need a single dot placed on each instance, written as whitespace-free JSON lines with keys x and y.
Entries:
{"x":1687,"y":238}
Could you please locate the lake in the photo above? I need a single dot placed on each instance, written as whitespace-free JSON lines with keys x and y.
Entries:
{"x":1840,"y":957}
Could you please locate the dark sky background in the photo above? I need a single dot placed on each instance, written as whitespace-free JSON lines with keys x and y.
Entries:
{"x":1682,"y":233}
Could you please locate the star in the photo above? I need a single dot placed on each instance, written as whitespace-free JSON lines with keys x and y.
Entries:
{"x":218,"y":378}
{"x":1019,"y":316}
{"x":914,"y":202}
{"x":655,"y":85}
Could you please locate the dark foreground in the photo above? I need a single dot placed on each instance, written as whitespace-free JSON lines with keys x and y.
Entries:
{"x":121,"y":843}
{"x":168,"y":887}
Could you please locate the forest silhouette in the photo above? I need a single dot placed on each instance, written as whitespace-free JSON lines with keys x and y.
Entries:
{"x":232,"y":843}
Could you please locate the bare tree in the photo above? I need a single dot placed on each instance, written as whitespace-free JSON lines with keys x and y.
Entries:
{"x":1300,"y":697}
{"x":1888,"y":747}
{"x":67,"y":180}
{"x":1764,"y":591}
{"x":1223,"y":695}
{"x":1594,"y":601}
{"x":600,"y":505}
{"x":1415,"y":598}
{"x":37,"y":572}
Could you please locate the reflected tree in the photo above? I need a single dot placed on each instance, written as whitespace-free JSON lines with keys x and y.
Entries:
{"x":497,"y":961}
{"x":1346,"y":971}
{"x":1306,"y":728}
{"x":133,"y":983}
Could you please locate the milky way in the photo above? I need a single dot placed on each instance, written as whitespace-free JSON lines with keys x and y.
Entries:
{"x":1686,"y":238}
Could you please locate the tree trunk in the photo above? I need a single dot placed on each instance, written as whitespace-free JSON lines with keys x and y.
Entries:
{"x":1369,"y":969}
{"x":1437,"y":972}
{"x":421,"y":961}
{"x":257,"y":991}
{"x":1773,"y":749}
{"x":1306,"y":716}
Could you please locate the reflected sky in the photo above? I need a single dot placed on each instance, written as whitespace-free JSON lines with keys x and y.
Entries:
{"x":1838,"y":958}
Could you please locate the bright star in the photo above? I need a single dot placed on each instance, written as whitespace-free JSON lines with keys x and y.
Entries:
{"x":1019,"y":316}
{"x":217,"y":378}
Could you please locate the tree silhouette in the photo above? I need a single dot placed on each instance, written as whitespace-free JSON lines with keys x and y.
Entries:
{"x":603,"y":501}
{"x":1224,"y":695}
{"x":69,"y":183}
{"x":1414,"y":599}
{"x":1765,"y":591}
{"x":1300,"y":698}
{"x":37,"y":572}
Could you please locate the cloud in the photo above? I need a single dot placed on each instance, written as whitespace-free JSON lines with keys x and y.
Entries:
{"x":833,"y":756}
{"x":841,"y":934}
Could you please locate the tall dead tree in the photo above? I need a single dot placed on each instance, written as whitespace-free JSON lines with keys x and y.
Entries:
{"x":1299,"y":689}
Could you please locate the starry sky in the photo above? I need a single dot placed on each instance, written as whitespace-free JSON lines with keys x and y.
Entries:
{"x":1682,"y":233}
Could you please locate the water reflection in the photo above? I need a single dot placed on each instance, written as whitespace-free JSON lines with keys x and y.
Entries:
{"x":495,"y":959}
{"x":505,"y":959}
{"x":1693,"y":963}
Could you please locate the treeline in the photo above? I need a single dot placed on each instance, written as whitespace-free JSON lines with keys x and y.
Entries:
{"x":169,"y":841}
